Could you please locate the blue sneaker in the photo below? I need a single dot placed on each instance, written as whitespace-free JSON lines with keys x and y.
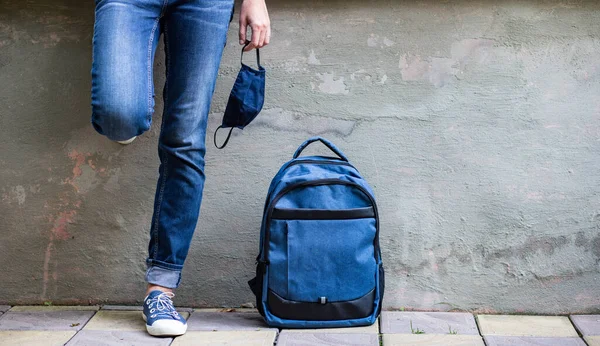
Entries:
{"x":160,"y":315}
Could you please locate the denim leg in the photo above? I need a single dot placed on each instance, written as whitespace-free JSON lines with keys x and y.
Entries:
{"x":125,"y":38}
{"x":195,"y":33}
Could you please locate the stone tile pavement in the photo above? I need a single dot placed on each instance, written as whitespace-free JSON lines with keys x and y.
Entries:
{"x":120,"y":325}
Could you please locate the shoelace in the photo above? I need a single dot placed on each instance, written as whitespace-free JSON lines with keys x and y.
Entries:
{"x":162,"y":304}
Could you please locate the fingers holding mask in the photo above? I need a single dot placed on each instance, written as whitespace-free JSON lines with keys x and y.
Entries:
{"x":254,"y":15}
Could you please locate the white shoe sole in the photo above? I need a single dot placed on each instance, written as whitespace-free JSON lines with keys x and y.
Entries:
{"x":165,"y":327}
{"x":127,"y":141}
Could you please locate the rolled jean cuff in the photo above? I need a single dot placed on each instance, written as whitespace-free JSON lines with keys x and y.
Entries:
{"x":169,"y":278}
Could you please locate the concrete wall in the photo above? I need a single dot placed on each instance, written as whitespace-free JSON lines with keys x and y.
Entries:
{"x":477,"y":123}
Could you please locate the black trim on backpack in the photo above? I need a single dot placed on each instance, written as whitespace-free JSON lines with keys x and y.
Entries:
{"x":322,"y":214}
{"x":256,"y":285}
{"x":316,"y":311}
{"x":381,"y":287}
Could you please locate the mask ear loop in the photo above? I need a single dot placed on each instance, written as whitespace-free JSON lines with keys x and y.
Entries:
{"x":257,"y":54}
{"x":226,"y":140}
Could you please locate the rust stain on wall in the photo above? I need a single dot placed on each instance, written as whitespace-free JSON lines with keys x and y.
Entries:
{"x":63,"y":212}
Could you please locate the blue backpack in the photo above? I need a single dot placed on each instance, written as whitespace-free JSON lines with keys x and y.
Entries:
{"x":319,"y":263}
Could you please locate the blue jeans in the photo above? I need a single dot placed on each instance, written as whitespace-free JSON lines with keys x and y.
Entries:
{"x":126,"y":34}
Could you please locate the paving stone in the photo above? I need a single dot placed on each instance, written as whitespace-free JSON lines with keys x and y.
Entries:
{"x":44,"y":320}
{"x":431,"y":340}
{"x":4,"y":308}
{"x":543,"y":326}
{"x":211,"y":321}
{"x":531,"y":341}
{"x":108,"y":320}
{"x":122,"y":307}
{"x":116,"y":338}
{"x":237,"y":337}
{"x":372,"y":329}
{"x":395,"y":322}
{"x":317,"y":339}
{"x":592,"y":340}
{"x":137,"y":308}
{"x":587,"y":324}
{"x":34,"y":337}
{"x":31,"y":308}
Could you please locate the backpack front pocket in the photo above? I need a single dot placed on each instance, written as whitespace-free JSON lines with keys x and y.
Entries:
{"x":330,"y":254}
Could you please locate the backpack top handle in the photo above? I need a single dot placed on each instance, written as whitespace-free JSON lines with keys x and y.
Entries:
{"x":327,"y":143}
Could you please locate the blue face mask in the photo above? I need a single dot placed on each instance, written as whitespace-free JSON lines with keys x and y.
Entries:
{"x":246,"y":98}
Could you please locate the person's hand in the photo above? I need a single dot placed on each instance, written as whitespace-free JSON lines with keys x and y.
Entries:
{"x":254,"y":14}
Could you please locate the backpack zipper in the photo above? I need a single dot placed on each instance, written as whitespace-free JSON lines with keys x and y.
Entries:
{"x":319,"y":182}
